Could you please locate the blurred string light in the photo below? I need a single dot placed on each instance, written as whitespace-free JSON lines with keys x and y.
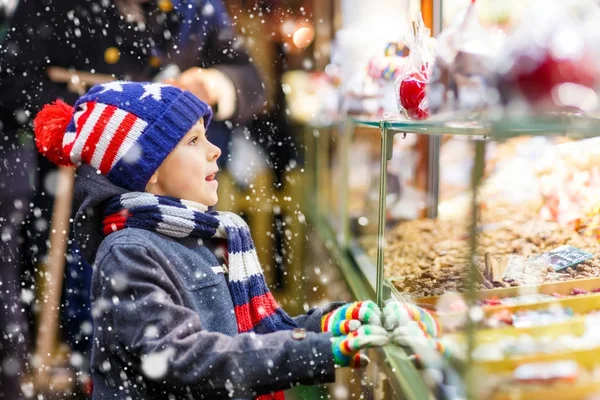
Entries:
{"x":112,"y":55}
{"x":165,"y":6}
{"x":303,"y":37}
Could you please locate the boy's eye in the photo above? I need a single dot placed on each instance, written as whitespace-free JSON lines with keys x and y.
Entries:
{"x":194,"y":140}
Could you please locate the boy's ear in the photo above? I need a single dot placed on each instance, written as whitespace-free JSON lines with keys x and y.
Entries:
{"x":153,"y":178}
{"x":152,"y":181}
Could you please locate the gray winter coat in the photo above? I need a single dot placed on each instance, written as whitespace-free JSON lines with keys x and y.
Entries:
{"x":161,"y":333}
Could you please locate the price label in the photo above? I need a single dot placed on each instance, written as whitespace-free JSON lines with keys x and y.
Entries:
{"x":565,"y":257}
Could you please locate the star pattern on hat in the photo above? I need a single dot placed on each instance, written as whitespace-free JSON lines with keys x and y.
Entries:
{"x":116,"y":86}
{"x":153,"y":90}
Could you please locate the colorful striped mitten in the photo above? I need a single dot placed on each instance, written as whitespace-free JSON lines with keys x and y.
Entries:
{"x":350,"y":317}
{"x":397,"y":314}
{"x":346,"y":348}
{"x":412,"y":335}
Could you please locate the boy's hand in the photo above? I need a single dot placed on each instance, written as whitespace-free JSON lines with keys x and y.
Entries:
{"x":413,"y":336}
{"x":346,"y":348}
{"x":350,"y":317}
{"x":398,"y":314}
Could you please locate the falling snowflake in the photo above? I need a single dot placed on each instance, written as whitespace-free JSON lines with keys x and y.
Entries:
{"x":156,"y":365}
{"x":151,"y":331}
{"x":340,"y":392}
{"x":27,"y":296}
{"x":76,"y":359}
{"x":41,"y":225}
{"x":119,"y":282}
{"x":6,"y":235}
{"x":86,"y":328}
{"x":208,"y":10}
{"x":51,"y":182}
{"x":133,"y":154}
{"x":11,"y":366}
{"x":21,"y":116}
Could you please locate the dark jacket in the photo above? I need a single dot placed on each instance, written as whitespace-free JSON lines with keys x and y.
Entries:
{"x":159,"y":331}
{"x":76,"y":34}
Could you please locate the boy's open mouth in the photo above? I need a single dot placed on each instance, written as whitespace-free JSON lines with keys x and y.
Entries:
{"x":211,"y":177}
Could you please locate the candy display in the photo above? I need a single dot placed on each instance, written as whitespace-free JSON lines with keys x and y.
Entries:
{"x":550,"y":63}
{"x":527,"y":345}
{"x":529,"y":318}
{"x":559,"y":180}
{"x":517,"y":300}
{"x":566,"y":371}
{"x":463,"y":77}
{"x":411,"y":84}
{"x":430,"y":257}
{"x":589,"y":225}
{"x":561,"y":379}
{"x":500,"y":301}
{"x":537,"y":254}
{"x":570,"y":183}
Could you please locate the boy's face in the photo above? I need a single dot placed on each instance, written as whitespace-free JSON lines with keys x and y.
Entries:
{"x":189,"y":170}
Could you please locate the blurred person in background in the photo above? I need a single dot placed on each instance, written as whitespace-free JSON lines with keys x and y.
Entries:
{"x":264,"y":26}
{"x":58,"y":49}
{"x":17,"y":163}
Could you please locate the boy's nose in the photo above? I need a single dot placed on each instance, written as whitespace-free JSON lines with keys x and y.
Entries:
{"x":215,"y":152}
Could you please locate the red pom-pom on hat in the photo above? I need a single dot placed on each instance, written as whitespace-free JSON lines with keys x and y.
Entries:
{"x":50,"y":125}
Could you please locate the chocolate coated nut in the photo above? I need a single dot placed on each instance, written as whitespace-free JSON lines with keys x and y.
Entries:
{"x":432,"y":256}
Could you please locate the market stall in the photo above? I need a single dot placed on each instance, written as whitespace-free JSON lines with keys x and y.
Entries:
{"x":500,"y":281}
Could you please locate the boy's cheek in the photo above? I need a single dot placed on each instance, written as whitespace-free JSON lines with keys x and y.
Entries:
{"x":188,"y":184}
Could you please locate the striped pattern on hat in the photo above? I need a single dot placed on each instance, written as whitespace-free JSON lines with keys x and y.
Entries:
{"x":123,"y":129}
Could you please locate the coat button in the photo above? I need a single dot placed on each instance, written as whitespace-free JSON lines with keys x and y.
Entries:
{"x":298,"y":333}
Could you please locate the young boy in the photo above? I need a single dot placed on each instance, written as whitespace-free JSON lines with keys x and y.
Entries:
{"x":170,"y":321}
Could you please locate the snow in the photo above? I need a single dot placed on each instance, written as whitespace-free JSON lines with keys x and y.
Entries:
{"x":156,"y":365}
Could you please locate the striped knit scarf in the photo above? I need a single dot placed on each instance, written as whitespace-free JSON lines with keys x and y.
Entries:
{"x":255,"y":308}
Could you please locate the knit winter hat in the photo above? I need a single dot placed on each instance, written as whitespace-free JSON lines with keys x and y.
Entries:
{"x":123,"y":129}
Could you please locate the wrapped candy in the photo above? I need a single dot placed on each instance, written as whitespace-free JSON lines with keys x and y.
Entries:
{"x":385,"y":68}
{"x":412,"y":82}
{"x":463,"y":77}
{"x":543,"y":372}
{"x":551,"y":62}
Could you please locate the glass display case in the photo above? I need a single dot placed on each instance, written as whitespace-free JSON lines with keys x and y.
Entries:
{"x":484,"y":225}
{"x":324,"y":157}
{"x":513,"y":267}
{"x":359,"y":157}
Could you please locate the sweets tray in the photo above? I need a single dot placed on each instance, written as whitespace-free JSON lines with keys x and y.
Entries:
{"x":581,"y":305}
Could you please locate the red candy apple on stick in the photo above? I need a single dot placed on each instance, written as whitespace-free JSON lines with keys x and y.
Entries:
{"x":412,"y":94}
{"x":411,"y":84}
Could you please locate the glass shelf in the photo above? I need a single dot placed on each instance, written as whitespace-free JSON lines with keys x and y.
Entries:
{"x":570,"y":125}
